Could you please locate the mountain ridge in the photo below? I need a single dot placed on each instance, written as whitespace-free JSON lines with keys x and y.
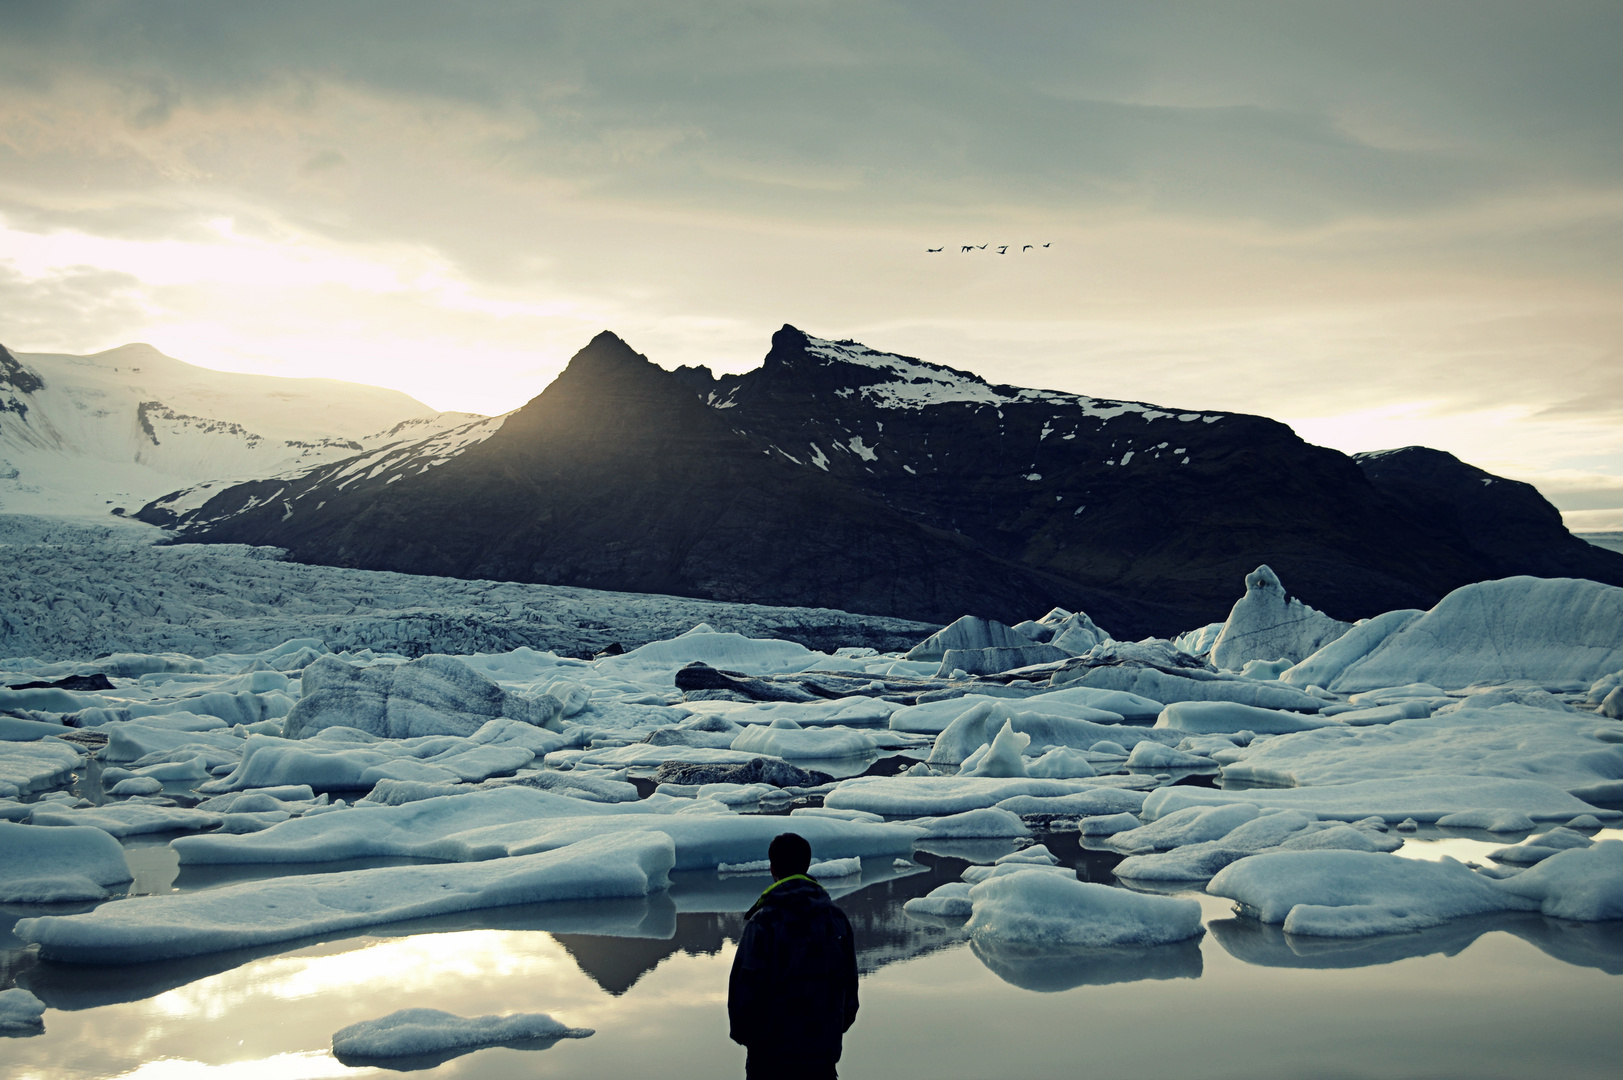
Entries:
{"x":127,"y":424}
{"x":835,"y":475}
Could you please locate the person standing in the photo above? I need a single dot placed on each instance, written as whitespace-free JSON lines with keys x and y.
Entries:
{"x":793,"y":991}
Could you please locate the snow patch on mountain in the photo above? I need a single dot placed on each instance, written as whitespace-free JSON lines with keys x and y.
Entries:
{"x":914,"y":384}
{"x":84,"y":434}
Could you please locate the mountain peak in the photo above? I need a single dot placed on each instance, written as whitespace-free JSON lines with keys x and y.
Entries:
{"x":14,"y":376}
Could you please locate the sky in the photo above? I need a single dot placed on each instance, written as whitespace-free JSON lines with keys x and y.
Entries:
{"x":1382,"y":223}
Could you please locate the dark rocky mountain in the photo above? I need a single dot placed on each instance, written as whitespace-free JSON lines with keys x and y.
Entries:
{"x":837,"y":476}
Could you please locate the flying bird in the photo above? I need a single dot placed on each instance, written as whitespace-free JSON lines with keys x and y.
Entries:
{"x":932,"y":249}
{"x":968,"y":248}
{"x":1048,"y":245}
{"x":1028,"y":247}
{"x":1003,"y":249}
{"x":981,"y":248}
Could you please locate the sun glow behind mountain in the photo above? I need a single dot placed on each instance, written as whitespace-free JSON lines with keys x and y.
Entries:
{"x":1364,"y":224}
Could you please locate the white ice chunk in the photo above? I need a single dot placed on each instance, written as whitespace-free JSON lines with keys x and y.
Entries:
{"x":1559,"y":632}
{"x":1191,"y":825}
{"x":515,"y":820}
{"x":1033,"y":906}
{"x":1324,"y":666}
{"x":1266,"y":624}
{"x":28,"y":767}
{"x":129,"y":818}
{"x":730,"y":652}
{"x":51,"y":865}
{"x":1148,"y":755}
{"x":1425,"y":797}
{"x":1216,"y":717}
{"x":1538,"y":848}
{"x":975,"y":825}
{"x":912,"y":796}
{"x":1511,"y":741}
{"x":1358,"y":893}
{"x":1002,"y":756}
{"x":432,"y":695}
{"x":835,"y":868}
{"x":149,"y":928}
{"x":980,"y":723}
{"x":1498,"y":820}
{"x":949,"y":901}
{"x":793,"y":742}
{"x":1580,"y":883}
{"x":1064,"y":763}
{"x":20,"y":1011}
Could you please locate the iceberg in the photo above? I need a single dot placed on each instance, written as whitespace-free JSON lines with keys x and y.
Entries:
{"x":148,"y":928}
{"x":1561,"y":633}
{"x":1036,"y":907}
{"x":1358,"y":893}
{"x":51,"y":866}
{"x":1266,"y":624}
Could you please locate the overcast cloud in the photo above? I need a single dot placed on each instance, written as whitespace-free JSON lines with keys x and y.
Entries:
{"x":1383,"y":223}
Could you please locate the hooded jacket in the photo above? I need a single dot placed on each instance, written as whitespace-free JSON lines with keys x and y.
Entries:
{"x":793,"y":989}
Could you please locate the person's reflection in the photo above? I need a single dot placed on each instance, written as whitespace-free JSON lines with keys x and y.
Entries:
{"x":793,"y":991}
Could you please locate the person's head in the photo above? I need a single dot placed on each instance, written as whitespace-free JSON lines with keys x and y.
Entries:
{"x":789,"y":854}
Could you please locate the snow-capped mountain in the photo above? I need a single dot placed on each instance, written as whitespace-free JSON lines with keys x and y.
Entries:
{"x":838,"y":476}
{"x":79,"y":434}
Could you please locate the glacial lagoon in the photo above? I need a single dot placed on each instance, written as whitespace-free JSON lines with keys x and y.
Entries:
{"x":1512,"y":995}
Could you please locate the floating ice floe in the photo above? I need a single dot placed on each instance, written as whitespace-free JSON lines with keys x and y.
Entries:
{"x":1510,"y":741}
{"x":58,"y":865}
{"x":433,"y":695}
{"x":151,"y":928}
{"x":511,"y":820}
{"x":1039,"y":907}
{"x":21,"y":1012}
{"x":1425,"y":797}
{"x":346,"y":759}
{"x":432,"y":1032}
{"x":985,"y":823}
{"x":127,"y":818}
{"x":1538,"y":848}
{"x":1563,"y":633}
{"x":977,"y":725}
{"x":917,"y":796}
{"x":1186,"y":684}
{"x":1358,"y":893}
{"x":1220,"y":717}
{"x":1284,"y":830}
{"x":1579,"y":883}
{"x":786,"y":739}
{"x":949,"y":901}
{"x":968,"y":633}
{"x":29,"y":767}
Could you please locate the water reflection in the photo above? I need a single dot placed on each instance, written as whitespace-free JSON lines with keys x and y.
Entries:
{"x":650,"y":974}
{"x":1592,"y":945}
{"x":1047,"y":969}
{"x":419,"y":1062}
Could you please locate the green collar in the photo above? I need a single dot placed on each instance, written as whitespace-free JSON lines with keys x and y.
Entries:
{"x":762,"y":898}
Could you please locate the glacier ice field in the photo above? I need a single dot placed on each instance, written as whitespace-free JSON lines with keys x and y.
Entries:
{"x":271,"y":820}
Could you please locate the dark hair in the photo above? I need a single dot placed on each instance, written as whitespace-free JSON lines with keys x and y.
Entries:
{"x":789,"y":854}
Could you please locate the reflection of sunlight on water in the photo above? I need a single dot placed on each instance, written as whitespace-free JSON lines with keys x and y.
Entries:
{"x":419,"y":962}
{"x":1462,"y":848}
{"x":1467,"y":849}
{"x":310,"y":1065}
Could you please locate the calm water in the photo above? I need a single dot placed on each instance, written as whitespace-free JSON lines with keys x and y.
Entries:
{"x":1509,"y":996}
